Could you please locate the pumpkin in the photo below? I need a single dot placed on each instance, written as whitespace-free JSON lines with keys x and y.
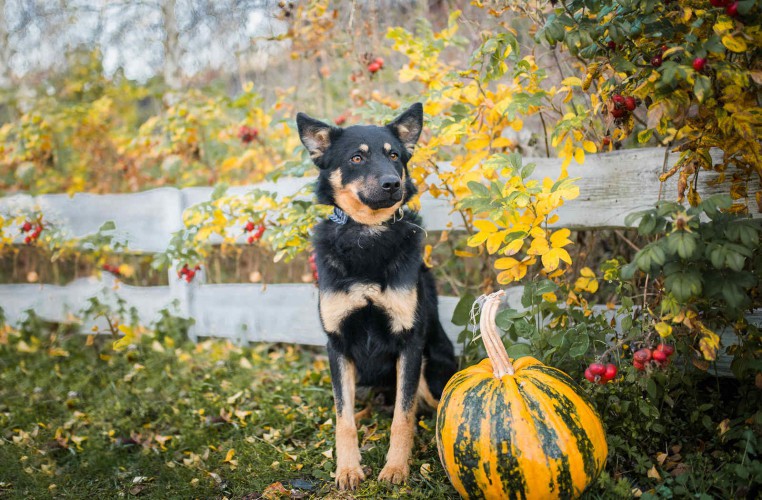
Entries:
{"x":517,"y":429}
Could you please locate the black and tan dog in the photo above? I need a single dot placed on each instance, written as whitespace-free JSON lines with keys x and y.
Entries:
{"x":378,"y":301}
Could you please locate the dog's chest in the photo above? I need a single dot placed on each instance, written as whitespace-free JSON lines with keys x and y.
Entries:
{"x":399,"y":305}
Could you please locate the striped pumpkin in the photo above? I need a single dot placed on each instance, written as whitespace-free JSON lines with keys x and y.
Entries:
{"x":517,"y":430}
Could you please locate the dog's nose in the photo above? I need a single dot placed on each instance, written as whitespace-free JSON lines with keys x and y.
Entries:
{"x":390,"y":183}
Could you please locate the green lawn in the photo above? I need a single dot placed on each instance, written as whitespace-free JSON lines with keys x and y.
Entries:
{"x":210,"y":420}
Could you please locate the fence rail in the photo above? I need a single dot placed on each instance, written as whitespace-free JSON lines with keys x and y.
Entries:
{"x":611,"y":186}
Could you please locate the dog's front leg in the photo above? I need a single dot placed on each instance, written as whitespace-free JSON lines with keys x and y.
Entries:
{"x":348,"y":470}
{"x":397,"y":469}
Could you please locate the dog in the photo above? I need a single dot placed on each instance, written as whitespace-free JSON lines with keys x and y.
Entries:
{"x":377,"y":300}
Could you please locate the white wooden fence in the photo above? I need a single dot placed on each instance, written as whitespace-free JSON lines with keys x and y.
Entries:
{"x":612,"y":185}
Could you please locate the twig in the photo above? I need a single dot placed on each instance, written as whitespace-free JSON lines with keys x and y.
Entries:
{"x":627,"y":240}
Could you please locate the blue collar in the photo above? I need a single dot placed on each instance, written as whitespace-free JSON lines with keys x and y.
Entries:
{"x":338,"y":216}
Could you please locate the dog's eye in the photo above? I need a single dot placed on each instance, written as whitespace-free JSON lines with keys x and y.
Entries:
{"x":356,"y":159}
{"x":394,"y":156}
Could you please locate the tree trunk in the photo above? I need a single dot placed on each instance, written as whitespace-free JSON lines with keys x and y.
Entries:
{"x":172,"y":75}
{"x":6,"y":79}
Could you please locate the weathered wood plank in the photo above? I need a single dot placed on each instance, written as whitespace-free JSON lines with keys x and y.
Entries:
{"x":145,"y":219}
{"x":611,"y":186}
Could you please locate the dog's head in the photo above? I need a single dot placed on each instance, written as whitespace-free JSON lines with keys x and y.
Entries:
{"x":363,"y":169}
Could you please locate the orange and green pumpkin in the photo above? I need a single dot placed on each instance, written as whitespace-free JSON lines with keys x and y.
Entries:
{"x":517,"y":430}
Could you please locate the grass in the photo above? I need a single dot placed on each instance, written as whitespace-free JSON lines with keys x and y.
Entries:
{"x":181,"y":421}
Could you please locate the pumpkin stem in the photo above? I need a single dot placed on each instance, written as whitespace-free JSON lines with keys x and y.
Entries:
{"x":501,"y":363}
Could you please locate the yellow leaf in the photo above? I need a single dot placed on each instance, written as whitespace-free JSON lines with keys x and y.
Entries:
{"x":506,"y":263}
{"x":229,"y":455}
{"x":709,"y":344}
{"x":549,"y":297}
{"x":579,"y":156}
{"x":550,"y":260}
{"x":539,"y":246}
{"x":494,"y":242}
{"x":663,"y":329}
{"x":463,"y":253}
{"x":589,"y":146}
{"x":572,"y":81}
{"x":560,"y":238}
{"x":654,"y":474}
{"x":735,"y":44}
{"x":513,"y":247}
{"x":427,"y":255}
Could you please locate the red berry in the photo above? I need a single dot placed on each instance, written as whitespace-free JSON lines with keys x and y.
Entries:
{"x":589,"y":375}
{"x":663,"y":48}
{"x":660,"y":356}
{"x":250,"y":240}
{"x":247,"y":134}
{"x":610,"y":372}
{"x":249,"y":227}
{"x":189,"y":275}
{"x":28,"y":240}
{"x":26,"y":227}
{"x":611,"y":45}
{"x":36,"y":233}
{"x":373,"y":67}
{"x":732,"y":9}
{"x":699,"y":63}
{"x":260,"y":231}
{"x":638,"y":366}
{"x":379,"y":61}
{"x":630,"y":103}
{"x":340,"y":120}
{"x":618,"y":99}
{"x":656,"y":61}
{"x":312,"y":258}
{"x":666,"y":348}
{"x":606,"y":140}
{"x":597,"y":369}
{"x":642,"y":355}
{"x":618,"y":112}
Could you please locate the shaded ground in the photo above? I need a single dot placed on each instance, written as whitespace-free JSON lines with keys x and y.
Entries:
{"x":207,"y":421}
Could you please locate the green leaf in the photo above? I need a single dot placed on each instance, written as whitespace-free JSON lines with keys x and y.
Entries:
{"x":519,"y":351}
{"x":579,"y":346}
{"x":682,"y":242}
{"x":462,"y":313}
{"x":684,"y":285}
{"x":479,"y":189}
{"x":702,"y":87}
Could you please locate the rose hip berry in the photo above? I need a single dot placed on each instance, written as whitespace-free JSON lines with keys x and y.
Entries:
{"x":630,"y":103}
{"x":589,"y":375}
{"x":732,"y":9}
{"x":618,"y":99}
{"x":611,"y":45}
{"x":699,"y":63}
{"x":606,"y":140}
{"x":597,"y":369}
{"x":666,"y":348}
{"x":660,"y":356}
{"x":374,"y":67}
{"x":340,"y":120}
{"x":656,"y":61}
{"x":249,"y":227}
{"x":642,"y":355}
{"x":247,"y":134}
{"x":609,"y":373}
{"x":618,"y":112}
{"x":26,"y":227}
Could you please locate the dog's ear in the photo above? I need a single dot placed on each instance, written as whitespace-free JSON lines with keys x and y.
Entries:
{"x":315,"y":135}
{"x":407,"y":126}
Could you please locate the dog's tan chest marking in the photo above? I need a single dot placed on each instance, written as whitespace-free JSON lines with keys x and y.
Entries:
{"x":400,"y":305}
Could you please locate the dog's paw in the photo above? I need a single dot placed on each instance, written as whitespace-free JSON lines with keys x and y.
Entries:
{"x":395,"y":474}
{"x":349,"y":477}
